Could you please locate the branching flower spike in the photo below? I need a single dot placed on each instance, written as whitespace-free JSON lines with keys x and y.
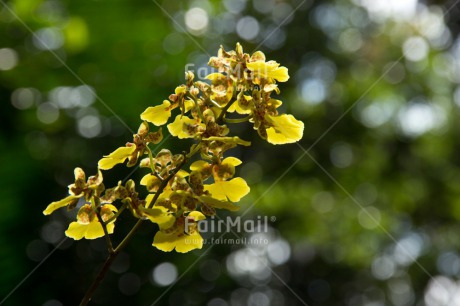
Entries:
{"x":176,"y":199}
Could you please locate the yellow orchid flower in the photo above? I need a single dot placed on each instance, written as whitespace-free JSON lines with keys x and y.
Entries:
{"x":68,"y":201}
{"x":232,"y":190}
{"x":79,"y":189}
{"x":185,"y":127}
{"x":269,"y":70}
{"x":88,"y":225}
{"x":158,"y":115}
{"x":243,"y":105}
{"x":116,"y":157}
{"x":284,"y":129}
{"x":157,"y":214}
{"x":222,"y":87}
{"x":151,"y":182}
{"x":183,"y":236}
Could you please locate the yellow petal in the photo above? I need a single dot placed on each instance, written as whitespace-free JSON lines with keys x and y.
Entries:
{"x":233,"y":161}
{"x":285,"y":129}
{"x":269,"y":69}
{"x":187,"y":243}
{"x":164,"y":242}
{"x":219,"y":204}
{"x":280,"y":74}
{"x":92,"y":230}
{"x":165,"y":194}
{"x":197,"y":215}
{"x":180,"y":90}
{"x":236,"y":107}
{"x":275,"y":103}
{"x":199,"y":165}
{"x":176,"y":128}
{"x":116,"y":157}
{"x":217,"y":76}
{"x":76,"y":230}
{"x":182,"y":173}
{"x":157,"y":115}
{"x":151,"y":182}
{"x":159,"y":215}
{"x":258,"y":56}
{"x":188,"y":105}
{"x":107,"y":212}
{"x":232,"y":190}
{"x":79,"y":174}
{"x":64,"y":202}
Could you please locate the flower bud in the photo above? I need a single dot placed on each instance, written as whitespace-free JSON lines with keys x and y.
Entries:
{"x":189,"y":76}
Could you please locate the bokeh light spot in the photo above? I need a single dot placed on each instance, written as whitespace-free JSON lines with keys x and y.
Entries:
{"x":247,"y":27}
{"x":235,"y":6}
{"x":164,"y":274}
{"x":415,"y":48}
{"x":313,"y":91}
{"x":383,"y":267}
{"x":196,"y":19}
{"x":24,"y":98}
{"x":48,"y":39}
{"x":341,"y":155}
{"x":47,"y":112}
{"x":8,"y":59}
{"x":279,"y":252}
{"x":89,"y":126}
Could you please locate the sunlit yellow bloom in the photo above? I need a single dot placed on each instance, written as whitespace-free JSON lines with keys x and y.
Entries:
{"x":185,"y":127}
{"x":159,"y":114}
{"x":158,"y":214}
{"x":116,"y":157}
{"x":232,"y":190}
{"x":222,"y":87}
{"x":226,"y":169}
{"x":151,"y":182}
{"x":88,"y":225}
{"x":233,"y":161}
{"x":216,"y":77}
{"x":199,"y":165}
{"x":269,"y":70}
{"x":58,"y":204}
{"x":285,"y":129}
{"x":273,"y":103}
{"x":242,"y":106}
{"x":79,"y":189}
{"x":271,"y":87}
{"x":182,"y":173}
{"x":183,"y":236}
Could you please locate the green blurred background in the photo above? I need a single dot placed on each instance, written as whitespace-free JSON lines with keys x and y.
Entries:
{"x":368,"y":216}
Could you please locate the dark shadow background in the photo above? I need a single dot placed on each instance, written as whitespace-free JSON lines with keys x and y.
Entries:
{"x":375,"y":82}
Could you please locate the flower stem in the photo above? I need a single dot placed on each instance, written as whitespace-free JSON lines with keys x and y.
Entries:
{"x":100,"y":276}
{"x":106,"y":233}
{"x":238,"y":120}
{"x":114,"y":253}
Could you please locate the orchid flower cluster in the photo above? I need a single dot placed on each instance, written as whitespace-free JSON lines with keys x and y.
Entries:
{"x":177,"y":199}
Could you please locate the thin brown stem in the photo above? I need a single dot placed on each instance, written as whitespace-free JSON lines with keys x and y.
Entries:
{"x":106,"y":233}
{"x":100,"y":276}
